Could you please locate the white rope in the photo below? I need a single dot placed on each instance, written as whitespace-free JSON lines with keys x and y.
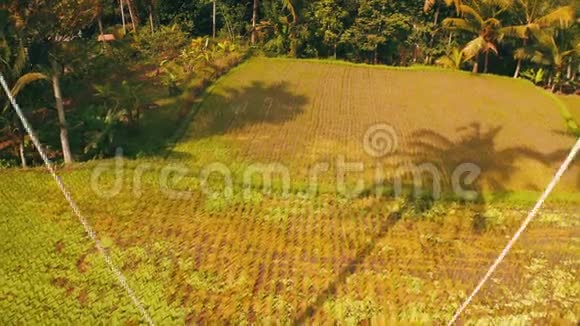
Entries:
{"x":88,"y":229}
{"x":527,"y":221}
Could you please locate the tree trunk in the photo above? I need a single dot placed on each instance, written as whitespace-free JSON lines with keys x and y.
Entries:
{"x":213,"y":23}
{"x":133,"y":18}
{"x":21,"y":151}
{"x":123,"y":16}
{"x":101,"y":30}
{"x":569,"y":71}
{"x":450,"y":39}
{"x":254,"y":21}
{"x":435,"y":21}
{"x":151,"y":19}
{"x":61,"y":114}
{"x":486,"y":63}
{"x":335,"y":47}
{"x":519,"y":65}
{"x":476,"y":65}
{"x":22,"y":156}
{"x":518,"y":68}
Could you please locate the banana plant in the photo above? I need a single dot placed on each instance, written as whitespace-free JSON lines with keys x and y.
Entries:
{"x":536,"y":76}
{"x":452,"y":60}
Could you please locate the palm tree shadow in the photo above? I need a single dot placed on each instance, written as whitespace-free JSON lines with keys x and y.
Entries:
{"x":259,"y":103}
{"x":476,"y":146}
{"x":349,"y":269}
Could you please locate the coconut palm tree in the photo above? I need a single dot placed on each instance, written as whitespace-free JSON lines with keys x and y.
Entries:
{"x":536,"y":16}
{"x":485,"y":30}
{"x":547,"y":51}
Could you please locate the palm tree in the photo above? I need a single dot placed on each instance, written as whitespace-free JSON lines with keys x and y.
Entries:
{"x":429,"y":4}
{"x":547,"y":52}
{"x":485,"y":30}
{"x":538,"y":15}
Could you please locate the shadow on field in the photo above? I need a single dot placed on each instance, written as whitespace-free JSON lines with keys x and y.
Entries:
{"x":349,"y":269}
{"x":474,"y":145}
{"x":235,"y":108}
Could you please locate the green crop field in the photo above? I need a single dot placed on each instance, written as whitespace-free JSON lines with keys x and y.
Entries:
{"x":202,"y":241}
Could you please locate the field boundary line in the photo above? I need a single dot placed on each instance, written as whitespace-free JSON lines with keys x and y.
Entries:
{"x":519,"y":232}
{"x":87,"y":227}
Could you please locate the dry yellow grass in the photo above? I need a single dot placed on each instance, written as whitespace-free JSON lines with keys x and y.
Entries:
{"x":299,"y":113}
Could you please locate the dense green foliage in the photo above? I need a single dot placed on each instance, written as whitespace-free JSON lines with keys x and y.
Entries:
{"x":166,"y":41}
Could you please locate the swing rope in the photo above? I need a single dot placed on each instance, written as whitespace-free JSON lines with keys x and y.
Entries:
{"x":519,"y":232}
{"x":88,"y":229}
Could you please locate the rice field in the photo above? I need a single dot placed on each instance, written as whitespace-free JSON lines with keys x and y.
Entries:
{"x":199,"y":250}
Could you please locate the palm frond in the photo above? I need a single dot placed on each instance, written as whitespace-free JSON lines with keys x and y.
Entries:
{"x":524,"y":53}
{"x":500,"y":3}
{"x":474,"y":47}
{"x":428,"y":5}
{"x":27,"y":79}
{"x":519,"y":31}
{"x":454,"y":24}
{"x":466,"y":10}
{"x":561,"y":17}
{"x":490,"y":46}
{"x":492,"y":22}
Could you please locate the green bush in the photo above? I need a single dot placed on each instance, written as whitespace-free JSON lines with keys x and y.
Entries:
{"x":167,"y":42}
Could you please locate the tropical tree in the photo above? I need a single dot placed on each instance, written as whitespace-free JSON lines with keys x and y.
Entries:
{"x":486,"y":30}
{"x":13,"y":66}
{"x":293,"y":6}
{"x":330,"y":15}
{"x":52,"y":26}
{"x":429,"y":4}
{"x":547,"y":51}
{"x":534,"y":17}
